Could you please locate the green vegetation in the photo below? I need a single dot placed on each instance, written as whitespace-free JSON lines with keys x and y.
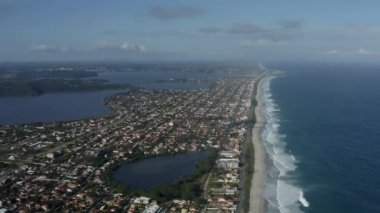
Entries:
{"x":54,"y":74}
{"x":189,"y":188}
{"x":21,"y":87}
{"x":249,"y":154}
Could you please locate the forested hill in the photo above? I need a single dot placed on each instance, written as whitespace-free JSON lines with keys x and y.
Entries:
{"x":23,"y":87}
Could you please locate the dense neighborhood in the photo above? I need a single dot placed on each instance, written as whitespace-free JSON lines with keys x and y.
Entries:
{"x":68,"y":166}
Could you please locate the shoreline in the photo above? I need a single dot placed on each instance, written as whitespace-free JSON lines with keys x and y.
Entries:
{"x":257,"y":201}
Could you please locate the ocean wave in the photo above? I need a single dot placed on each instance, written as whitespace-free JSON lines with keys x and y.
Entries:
{"x":303,"y":200}
{"x":282,"y":195}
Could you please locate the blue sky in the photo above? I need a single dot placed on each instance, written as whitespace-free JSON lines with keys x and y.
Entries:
{"x":197,"y":30}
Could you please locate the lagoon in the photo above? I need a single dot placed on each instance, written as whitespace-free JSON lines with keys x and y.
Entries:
{"x":150,"y":79}
{"x":161,"y":170}
{"x":55,"y":107}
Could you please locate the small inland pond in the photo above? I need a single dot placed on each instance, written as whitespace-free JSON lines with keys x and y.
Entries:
{"x":160,"y":170}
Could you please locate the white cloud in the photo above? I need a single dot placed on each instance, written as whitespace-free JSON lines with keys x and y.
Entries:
{"x":132,"y":47}
{"x":363,"y":52}
{"x":47,"y":48}
{"x":359,"y":51}
{"x":332,"y":52}
{"x":126,"y":46}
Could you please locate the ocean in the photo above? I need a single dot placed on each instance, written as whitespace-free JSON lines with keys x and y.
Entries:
{"x":323,"y":137}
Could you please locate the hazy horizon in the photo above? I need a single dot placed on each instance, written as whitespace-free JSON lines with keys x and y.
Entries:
{"x":247,"y":31}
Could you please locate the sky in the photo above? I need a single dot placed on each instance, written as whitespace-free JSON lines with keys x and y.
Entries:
{"x":197,"y":30}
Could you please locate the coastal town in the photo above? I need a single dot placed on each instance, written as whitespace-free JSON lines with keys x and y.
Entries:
{"x":68,"y":166}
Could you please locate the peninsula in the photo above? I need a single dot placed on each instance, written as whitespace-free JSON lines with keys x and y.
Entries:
{"x":61,"y":166}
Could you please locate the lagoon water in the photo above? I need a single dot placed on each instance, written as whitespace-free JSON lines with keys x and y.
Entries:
{"x":146,"y":173}
{"x":325,"y":127}
{"x":53,"y":107}
{"x":150,"y":77}
{"x":73,"y":106}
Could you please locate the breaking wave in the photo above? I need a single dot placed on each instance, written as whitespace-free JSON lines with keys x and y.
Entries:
{"x":281,"y":193}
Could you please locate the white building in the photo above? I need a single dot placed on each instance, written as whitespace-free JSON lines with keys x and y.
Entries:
{"x":228,"y":163}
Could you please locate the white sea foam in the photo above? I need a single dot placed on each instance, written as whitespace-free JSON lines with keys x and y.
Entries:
{"x":303,"y":201}
{"x":282,"y":195}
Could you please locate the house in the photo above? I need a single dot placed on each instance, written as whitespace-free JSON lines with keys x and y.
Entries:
{"x":228,"y":163}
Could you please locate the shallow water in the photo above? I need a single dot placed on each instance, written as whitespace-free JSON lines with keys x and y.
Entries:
{"x":280,"y":192}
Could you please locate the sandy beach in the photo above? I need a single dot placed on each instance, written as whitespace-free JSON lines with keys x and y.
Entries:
{"x":257,"y":202}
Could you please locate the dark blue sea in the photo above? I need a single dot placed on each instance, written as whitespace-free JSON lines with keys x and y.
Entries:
{"x":323,"y":136}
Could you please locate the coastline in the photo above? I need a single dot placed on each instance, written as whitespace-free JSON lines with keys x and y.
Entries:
{"x":257,"y":201}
